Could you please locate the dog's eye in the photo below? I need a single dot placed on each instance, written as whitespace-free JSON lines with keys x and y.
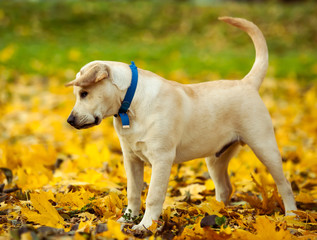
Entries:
{"x":83,"y":94}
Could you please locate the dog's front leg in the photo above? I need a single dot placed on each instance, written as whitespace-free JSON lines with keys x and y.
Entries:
{"x":161,"y":170}
{"x":134,"y":168}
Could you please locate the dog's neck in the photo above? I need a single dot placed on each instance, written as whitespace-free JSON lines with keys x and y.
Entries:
{"x":128,"y":98}
{"x":147,"y":83}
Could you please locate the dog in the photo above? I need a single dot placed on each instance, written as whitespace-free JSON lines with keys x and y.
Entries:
{"x":167,"y":122}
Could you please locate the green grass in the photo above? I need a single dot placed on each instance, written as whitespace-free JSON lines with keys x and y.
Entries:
{"x":164,"y":37}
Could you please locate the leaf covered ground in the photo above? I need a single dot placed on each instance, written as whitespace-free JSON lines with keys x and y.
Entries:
{"x":58,"y":182}
{"x":74,"y":181}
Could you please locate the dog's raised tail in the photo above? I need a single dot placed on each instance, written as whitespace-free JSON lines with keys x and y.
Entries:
{"x":258,"y":71}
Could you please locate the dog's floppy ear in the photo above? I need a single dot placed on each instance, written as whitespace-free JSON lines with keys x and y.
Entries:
{"x":121,"y":77}
{"x":92,"y":75}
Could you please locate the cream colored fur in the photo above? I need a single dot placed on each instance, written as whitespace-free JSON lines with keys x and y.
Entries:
{"x":172,"y":123}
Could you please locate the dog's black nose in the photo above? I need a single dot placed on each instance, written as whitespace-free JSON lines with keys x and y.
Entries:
{"x":71,"y":119}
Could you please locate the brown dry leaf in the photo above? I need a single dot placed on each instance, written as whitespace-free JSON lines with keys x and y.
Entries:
{"x":311,"y":216}
{"x":267,"y":204}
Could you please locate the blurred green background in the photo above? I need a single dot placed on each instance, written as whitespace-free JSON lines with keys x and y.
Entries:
{"x":55,"y":38}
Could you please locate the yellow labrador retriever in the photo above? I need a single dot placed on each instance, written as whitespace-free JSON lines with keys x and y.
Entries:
{"x":168,"y":122}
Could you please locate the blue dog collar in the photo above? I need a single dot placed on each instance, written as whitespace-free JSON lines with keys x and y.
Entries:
{"x":128,"y":97}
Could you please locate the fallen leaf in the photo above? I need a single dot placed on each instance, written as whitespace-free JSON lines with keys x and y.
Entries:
{"x":114,"y":231}
{"x":46,"y":214}
{"x":266,"y":229}
{"x":211,"y":206}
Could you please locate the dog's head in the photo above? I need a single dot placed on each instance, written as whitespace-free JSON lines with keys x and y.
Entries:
{"x":98,"y":94}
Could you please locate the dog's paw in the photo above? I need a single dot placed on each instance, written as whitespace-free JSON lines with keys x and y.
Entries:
{"x":140,"y":231}
{"x":123,"y":220}
{"x":139,"y":228}
{"x":146,"y":226}
{"x":290,"y":214}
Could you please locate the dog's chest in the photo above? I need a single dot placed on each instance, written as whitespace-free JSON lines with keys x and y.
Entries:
{"x":138,"y":148}
{"x":132,"y":140}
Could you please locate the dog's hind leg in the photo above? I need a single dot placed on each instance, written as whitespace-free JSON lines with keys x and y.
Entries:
{"x":261,"y":139}
{"x":218,"y":170}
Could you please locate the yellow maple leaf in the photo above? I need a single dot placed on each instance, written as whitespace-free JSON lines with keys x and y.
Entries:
{"x":76,"y":200}
{"x":153,"y":227}
{"x":212,"y":206}
{"x":198,"y":233}
{"x":226,"y":230}
{"x":78,"y":236}
{"x":114,"y":231}
{"x":305,"y":197}
{"x":87,"y":215}
{"x":47,"y":215}
{"x":108,"y":206}
{"x":84,"y":226}
{"x":167,"y":214}
{"x":115,"y":199}
{"x":266,"y":229}
{"x":243,"y":235}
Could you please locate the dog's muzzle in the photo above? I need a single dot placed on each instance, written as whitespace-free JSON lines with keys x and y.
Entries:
{"x":72,"y":121}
